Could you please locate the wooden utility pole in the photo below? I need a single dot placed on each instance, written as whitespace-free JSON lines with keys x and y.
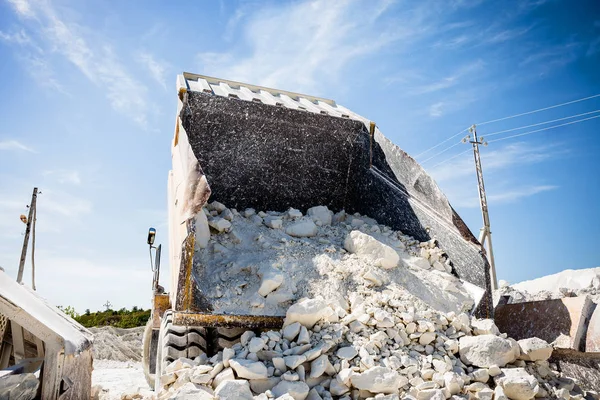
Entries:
{"x":26,"y":239}
{"x":485,"y":235}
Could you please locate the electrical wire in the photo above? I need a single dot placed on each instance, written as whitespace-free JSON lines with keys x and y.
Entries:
{"x":441,"y":143}
{"x":441,"y":152}
{"x":538,"y":110}
{"x":540,"y":123}
{"x":451,"y":158}
{"x":505,"y":118}
{"x":543,"y":129}
{"x":512,"y":130}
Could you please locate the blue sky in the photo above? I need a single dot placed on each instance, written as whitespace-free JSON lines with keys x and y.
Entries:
{"x":88,"y":100}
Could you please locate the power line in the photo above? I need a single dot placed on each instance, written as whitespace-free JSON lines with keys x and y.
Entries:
{"x":449,"y":159}
{"x":543,"y":129}
{"x":538,"y":110}
{"x":441,"y":143}
{"x":441,"y":152}
{"x":541,"y":123}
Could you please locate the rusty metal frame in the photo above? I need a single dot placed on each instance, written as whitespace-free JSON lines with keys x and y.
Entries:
{"x":227,"y":321}
{"x":161,"y":304}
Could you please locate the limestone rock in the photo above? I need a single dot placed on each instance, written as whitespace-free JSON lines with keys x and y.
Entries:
{"x":291,"y":331}
{"x":234,"y":390}
{"x":486,"y":350}
{"x":225,"y":375}
{"x":379,"y":380}
{"x":308,"y":312}
{"x":517,"y":384}
{"x":298,"y":390}
{"x":273,"y":222}
{"x":366,"y":246}
{"x":249,"y":369}
{"x":347,"y":353}
{"x":484,"y":327}
{"x":320,"y":214}
{"x":302,"y":228}
{"x":535,"y":349}
{"x":256,"y":344}
{"x":219,"y":224}
{"x":271,"y":279}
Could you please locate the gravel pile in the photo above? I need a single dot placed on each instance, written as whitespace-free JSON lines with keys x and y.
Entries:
{"x":117,"y":344}
{"x":386,"y":330}
{"x":385,"y":345}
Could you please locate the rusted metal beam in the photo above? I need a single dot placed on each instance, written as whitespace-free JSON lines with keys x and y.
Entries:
{"x":227,"y":321}
{"x":161,"y":304}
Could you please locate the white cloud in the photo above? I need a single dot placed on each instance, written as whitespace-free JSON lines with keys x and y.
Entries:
{"x":436,"y":110}
{"x":156,"y":68}
{"x":300,"y":45}
{"x":14,"y":145}
{"x":452,"y":80}
{"x":19,"y":37}
{"x":507,"y":156}
{"x":23,"y":8}
{"x":41,"y":71}
{"x":63,"y":204}
{"x":98,"y":63}
{"x":459,"y":182}
{"x":64,"y":176}
{"x":510,"y":196}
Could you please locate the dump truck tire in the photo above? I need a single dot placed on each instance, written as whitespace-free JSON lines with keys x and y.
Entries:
{"x":176,"y":342}
{"x":146,"y":354}
{"x":225,"y":337}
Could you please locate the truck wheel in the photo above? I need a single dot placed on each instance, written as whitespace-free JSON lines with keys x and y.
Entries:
{"x":148,"y":346}
{"x":223,"y":338}
{"x":175,"y":342}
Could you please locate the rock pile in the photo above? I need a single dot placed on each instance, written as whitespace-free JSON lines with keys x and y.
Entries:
{"x":370,"y":314}
{"x":261,"y":262}
{"x":382,"y":345}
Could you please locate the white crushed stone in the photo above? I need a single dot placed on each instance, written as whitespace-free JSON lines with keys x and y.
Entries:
{"x":255,"y":269}
{"x":355,"y":327}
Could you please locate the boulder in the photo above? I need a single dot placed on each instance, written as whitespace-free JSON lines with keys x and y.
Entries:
{"x":298,"y":390}
{"x":249,"y":369}
{"x":346,"y":353}
{"x":190,"y":391}
{"x":320,"y":214}
{"x":234,"y":390}
{"x":302,"y":228}
{"x":271,"y":279}
{"x":256,"y":344}
{"x":219,"y":224}
{"x":379,"y":380}
{"x":484,"y":327}
{"x":534,"y":349}
{"x":225,"y":375}
{"x":308,"y":312}
{"x":366,"y":246}
{"x":517,"y":384}
{"x":453,"y":382}
{"x":273,"y":222}
{"x":485,"y":351}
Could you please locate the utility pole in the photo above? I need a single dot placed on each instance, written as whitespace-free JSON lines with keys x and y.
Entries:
{"x":26,"y":239}
{"x":107,"y":305}
{"x":485,"y":235}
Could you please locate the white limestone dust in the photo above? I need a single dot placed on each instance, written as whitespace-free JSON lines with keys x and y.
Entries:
{"x":261,"y":262}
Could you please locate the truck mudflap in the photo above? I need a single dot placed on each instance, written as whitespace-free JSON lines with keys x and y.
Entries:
{"x":272,"y":158}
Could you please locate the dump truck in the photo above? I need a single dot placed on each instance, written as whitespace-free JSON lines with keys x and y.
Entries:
{"x":249,"y":146}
